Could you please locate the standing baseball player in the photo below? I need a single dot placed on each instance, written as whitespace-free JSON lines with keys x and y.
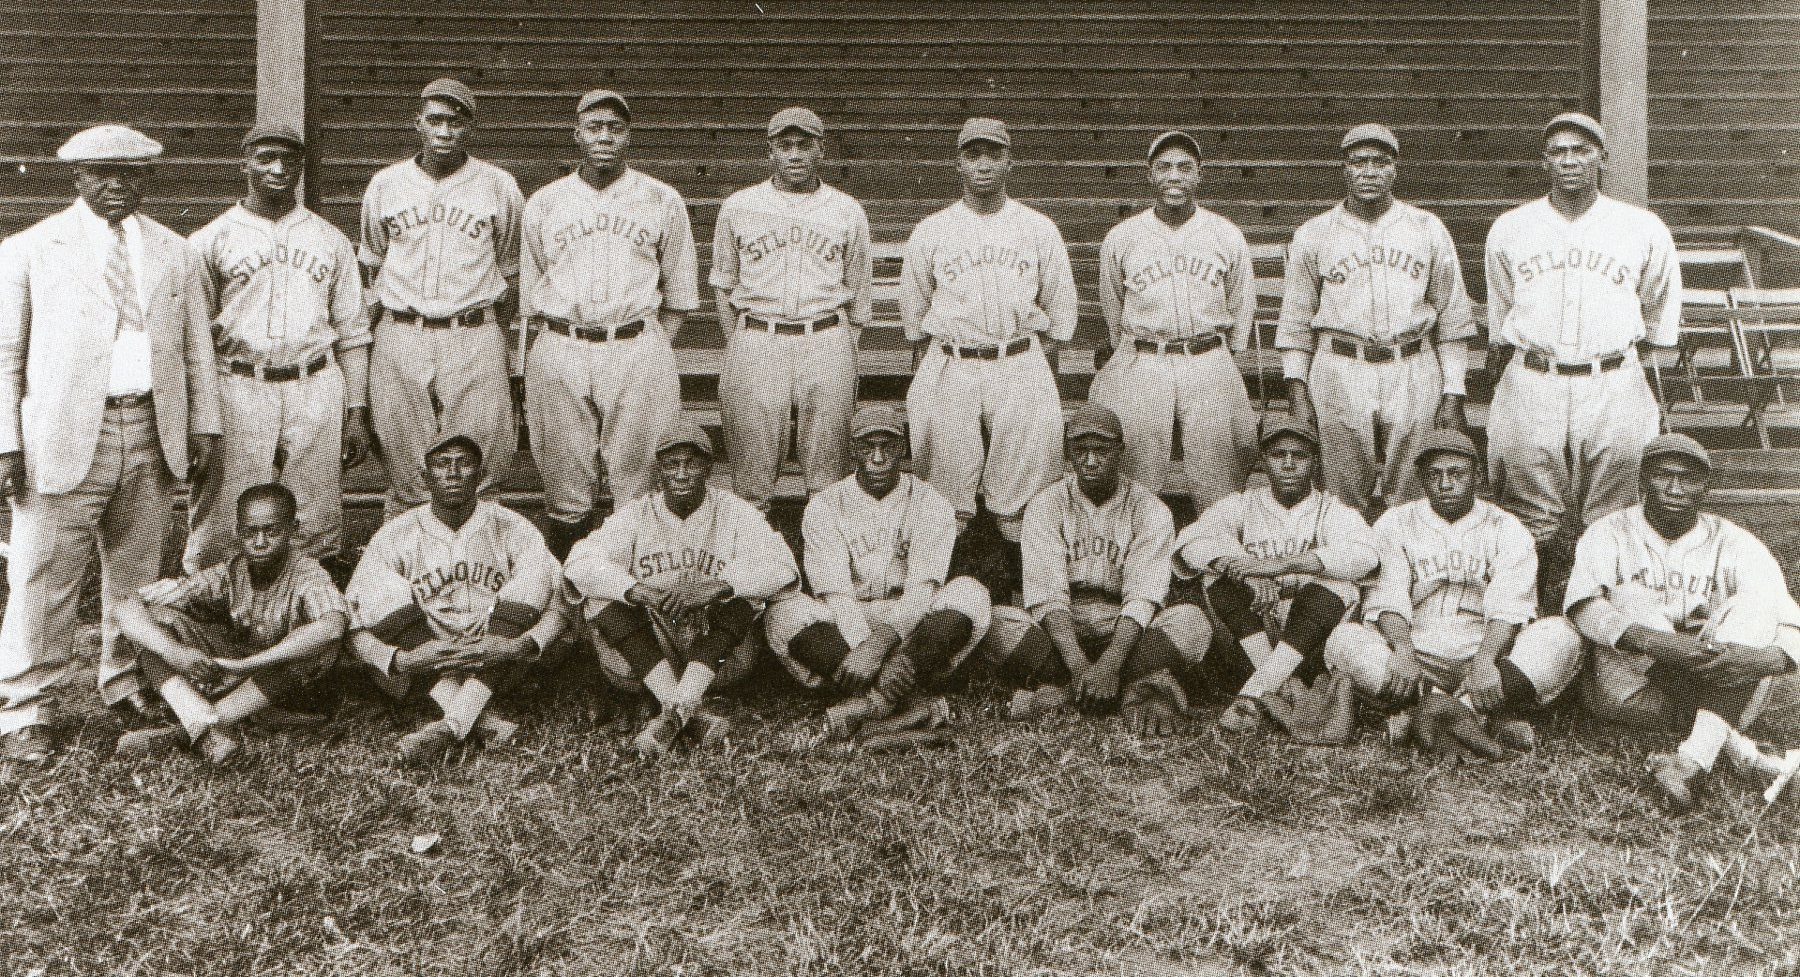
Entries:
{"x":108,"y":394}
{"x":1453,"y":603}
{"x":228,"y":642}
{"x":1284,"y":563}
{"x":1688,"y":623}
{"x":791,"y":271}
{"x":292,"y":346}
{"x":456,"y":598}
{"x":440,"y":257}
{"x":1178,"y":289}
{"x":1374,"y":327}
{"x":1576,"y":280}
{"x":670,"y":586}
{"x":987,"y":298}
{"x":609,"y":276}
{"x":885,"y":617}
{"x":1094,"y":629}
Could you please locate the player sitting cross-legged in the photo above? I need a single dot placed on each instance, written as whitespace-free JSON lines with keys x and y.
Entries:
{"x":1095,"y":630}
{"x":886,"y":618}
{"x":225,"y":643}
{"x":1283,"y":563}
{"x":1452,"y":606}
{"x":456,"y":598}
{"x":670,"y":586}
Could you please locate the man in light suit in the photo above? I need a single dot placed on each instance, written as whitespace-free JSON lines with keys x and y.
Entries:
{"x":107,"y":396}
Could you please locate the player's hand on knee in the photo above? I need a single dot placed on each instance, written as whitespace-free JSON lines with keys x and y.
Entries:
{"x":1484,"y":686}
{"x":1265,"y":593}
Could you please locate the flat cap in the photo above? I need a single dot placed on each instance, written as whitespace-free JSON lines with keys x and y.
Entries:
{"x":452,"y":91}
{"x":803,"y":119}
{"x":1443,"y":441}
{"x":1092,"y":418}
{"x":871,"y":418}
{"x":452,"y":438}
{"x":604,"y":96}
{"x":1373,"y":132}
{"x":1174,"y":138}
{"x":684,"y":430}
{"x":110,"y":144}
{"x":983,"y":130}
{"x":1278,"y":425}
{"x":273,"y":132}
{"x":1580,"y":122}
{"x":1678,"y":445}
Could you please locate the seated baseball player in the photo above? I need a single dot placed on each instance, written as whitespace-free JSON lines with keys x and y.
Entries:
{"x":228,"y":642}
{"x":1687,"y":623}
{"x":884,"y":618}
{"x":1094,"y":629}
{"x":455,"y":598}
{"x":1283,"y":565}
{"x":670,"y":585}
{"x":1452,"y":606}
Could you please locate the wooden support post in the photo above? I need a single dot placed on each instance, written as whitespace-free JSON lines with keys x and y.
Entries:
{"x":281,"y":69}
{"x":1624,"y":35}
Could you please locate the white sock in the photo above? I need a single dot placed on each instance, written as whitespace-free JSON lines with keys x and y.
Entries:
{"x":466,"y":708}
{"x":1256,"y":648}
{"x":1703,"y":744}
{"x":196,"y":714}
{"x":1747,"y":757}
{"x":443,"y":691}
{"x":662,"y":682}
{"x":1274,"y":670}
{"x":241,"y":703}
{"x":694,"y":683}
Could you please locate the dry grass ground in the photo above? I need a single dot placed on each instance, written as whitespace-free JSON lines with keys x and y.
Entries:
{"x":1067,"y":847}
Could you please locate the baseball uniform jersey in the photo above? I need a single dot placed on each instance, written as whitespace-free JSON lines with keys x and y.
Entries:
{"x":981,"y":281}
{"x":283,"y":294}
{"x":1162,"y":284}
{"x":1380,"y":282}
{"x":257,"y":619}
{"x":1576,"y":292}
{"x":602,"y":259}
{"x":790,"y":258}
{"x":439,"y":248}
{"x":1252,"y":523}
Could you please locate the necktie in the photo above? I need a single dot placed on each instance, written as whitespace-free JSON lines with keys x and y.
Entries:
{"x":121,"y":284}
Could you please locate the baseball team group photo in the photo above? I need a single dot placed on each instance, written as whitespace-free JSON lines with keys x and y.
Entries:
{"x":840,"y":488}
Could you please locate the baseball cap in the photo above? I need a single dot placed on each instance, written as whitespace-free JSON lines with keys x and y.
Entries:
{"x":684,"y":430}
{"x":1094,"y":419}
{"x":452,"y":91}
{"x":803,"y":119}
{"x":1679,"y":445}
{"x":1373,"y":132}
{"x":455,"y":438}
{"x":1174,"y":137}
{"x":1580,"y":122}
{"x":871,"y":418}
{"x":604,"y":96}
{"x":1442,"y":441}
{"x":1276,"y":425}
{"x":273,"y":132}
{"x":110,"y":144}
{"x":983,"y":130}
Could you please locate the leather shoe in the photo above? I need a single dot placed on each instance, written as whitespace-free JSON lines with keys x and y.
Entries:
{"x":32,"y":744}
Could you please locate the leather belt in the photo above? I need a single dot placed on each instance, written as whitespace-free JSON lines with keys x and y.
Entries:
{"x":279,"y":373}
{"x":776,"y":328}
{"x":130,"y":400}
{"x":468,"y":317}
{"x":563,"y":327}
{"x":1544,"y":364}
{"x":1013,"y":348}
{"x":1376,"y":352}
{"x":1190,"y":346}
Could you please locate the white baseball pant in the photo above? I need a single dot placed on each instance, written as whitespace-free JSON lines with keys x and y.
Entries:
{"x":763,"y":378}
{"x":425,"y":383}
{"x":1541,"y":652}
{"x":1358,"y":403}
{"x":1201,"y":395}
{"x":788,"y":616}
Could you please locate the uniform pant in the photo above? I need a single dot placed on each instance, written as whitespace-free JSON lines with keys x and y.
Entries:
{"x":789,"y":616}
{"x":1021,"y":654}
{"x":591,"y":402}
{"x":122,"y":510}
{"x":629,"y":641}
{"x":1364,"y":406}
{"x":763,"y":379}
{"x":1541,"y":653}
{"x":1201,"y":396}
{"x":426,"y":383}
{"x":1564,"y":448}
{"x":217,"y":641}
{"x":1014,"y":398}
{"x":286,"y":431}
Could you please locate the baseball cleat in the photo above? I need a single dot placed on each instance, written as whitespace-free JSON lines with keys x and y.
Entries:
{"x":931,"y":713}
{"x":494,"y":731}
{"x":29,"y":745}
{"x":844,"y":719}
{"x":707,"y":727}
{"x":1789,"y":764}
{"x":157,"y":740}
{"x":427,"y":744}
{"x":658,"y":735}
{"x":1674,"y":778}
{"x":1244,"y":715}
{"x":1399,"y":727}
{"x":1514,"y":734}
{"x":217,"y":746}
{"x":1032,"y":703}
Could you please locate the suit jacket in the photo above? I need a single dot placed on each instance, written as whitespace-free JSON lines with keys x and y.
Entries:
{"x":57,"y":325}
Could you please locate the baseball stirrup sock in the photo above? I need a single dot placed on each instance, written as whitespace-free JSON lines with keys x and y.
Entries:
{"x":466,"y":707}
{"x":1276,"y":668}
{"x":196,"y":714}
{"x":694,"y":682}
{"x":241,"y":703}
{"x":661,"y":682}
{"x":1708,"y":737}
